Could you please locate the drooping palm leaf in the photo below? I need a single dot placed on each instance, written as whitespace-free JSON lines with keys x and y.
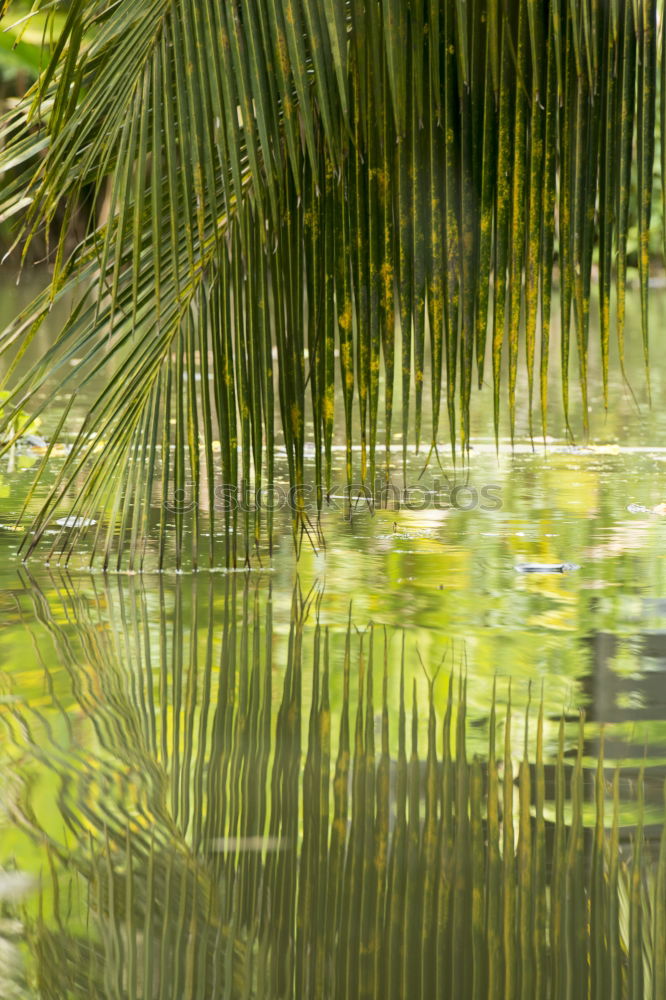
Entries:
{"x":305,"y":176}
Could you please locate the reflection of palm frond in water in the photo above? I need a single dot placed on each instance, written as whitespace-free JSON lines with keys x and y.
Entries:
{"x":220,"y":862}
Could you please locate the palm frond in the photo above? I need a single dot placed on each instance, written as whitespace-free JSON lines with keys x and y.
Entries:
{"x":299,"y":178}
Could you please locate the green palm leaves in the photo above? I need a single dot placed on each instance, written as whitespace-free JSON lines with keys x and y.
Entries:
{"x":300,"y":197}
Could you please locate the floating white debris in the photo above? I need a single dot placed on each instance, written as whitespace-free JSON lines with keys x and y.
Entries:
{"x":11,"y":928}
{"x":547,"y":567}
{"x":32,"y":441}
{"x":75,"y":522}
{"x":15,"y":885}
{"x":11,"y":968}
{"x":638,"y":508}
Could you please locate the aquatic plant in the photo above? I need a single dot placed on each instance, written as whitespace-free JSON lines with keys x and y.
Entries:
{"x":288,"y":185}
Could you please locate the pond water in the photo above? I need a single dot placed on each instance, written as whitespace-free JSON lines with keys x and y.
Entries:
{"x":204,"y":777}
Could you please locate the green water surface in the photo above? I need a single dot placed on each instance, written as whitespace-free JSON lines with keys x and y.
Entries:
{"x":152,"y":721}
